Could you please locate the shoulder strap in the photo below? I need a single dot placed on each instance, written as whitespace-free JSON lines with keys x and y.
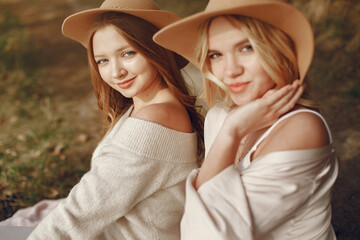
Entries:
{"x":283,"y":118}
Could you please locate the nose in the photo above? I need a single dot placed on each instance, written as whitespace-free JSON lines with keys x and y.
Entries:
{"x":233,"y":67}
{"x":117,"y":70}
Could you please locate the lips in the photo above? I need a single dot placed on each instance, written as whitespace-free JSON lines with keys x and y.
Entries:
{"x":127,"y":83}
{"x":238,"y":87}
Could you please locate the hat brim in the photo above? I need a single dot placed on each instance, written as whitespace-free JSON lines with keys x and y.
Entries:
{"x":181,"y":36}
{"x":77,"y":26}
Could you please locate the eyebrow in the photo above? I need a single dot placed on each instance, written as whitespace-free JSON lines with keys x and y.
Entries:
{"x":245,"y":40}
{"x":117,"y":50}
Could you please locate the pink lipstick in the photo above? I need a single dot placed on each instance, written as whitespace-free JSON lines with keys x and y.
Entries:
{"x":127,"y":83}
{"x":238,"y":87}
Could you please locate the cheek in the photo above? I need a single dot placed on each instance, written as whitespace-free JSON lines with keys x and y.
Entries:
{"x":216,"y":70}
{"x":267,"y":84}
{"x":149,"y":70}
{"x":260,"y":73}
{"x":104,"y":74}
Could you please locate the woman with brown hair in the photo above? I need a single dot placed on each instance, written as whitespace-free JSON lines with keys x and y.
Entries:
{"x":135,"y":188}
{"x":269,"y":159}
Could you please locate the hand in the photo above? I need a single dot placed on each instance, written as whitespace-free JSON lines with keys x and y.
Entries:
{"x":242,"y":120}
{"x":262,"y":112}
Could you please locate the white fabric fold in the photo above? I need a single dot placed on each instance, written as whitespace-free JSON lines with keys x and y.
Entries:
{"x":281,"y":195}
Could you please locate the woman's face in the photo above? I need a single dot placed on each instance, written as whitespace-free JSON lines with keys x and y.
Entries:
{"x":234,"y":62}
{"x":122,"y":67}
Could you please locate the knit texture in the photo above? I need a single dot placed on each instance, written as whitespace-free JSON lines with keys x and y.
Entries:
{"x":135,"y":188}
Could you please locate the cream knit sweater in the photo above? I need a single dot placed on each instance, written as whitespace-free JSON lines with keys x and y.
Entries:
{"x":134,"y":190}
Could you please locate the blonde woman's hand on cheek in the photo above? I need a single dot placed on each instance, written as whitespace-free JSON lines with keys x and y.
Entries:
{"x":262,"y":112}
{"x":241,"y":121}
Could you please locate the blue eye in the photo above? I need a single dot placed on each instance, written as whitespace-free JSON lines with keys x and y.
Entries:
{"x":247,"y":48}
{"x":129,"y":53}
{"x":214,"y":55}
{"x":101,"y":61}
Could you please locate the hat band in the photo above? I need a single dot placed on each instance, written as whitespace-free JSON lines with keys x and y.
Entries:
{"x":131,"y":5}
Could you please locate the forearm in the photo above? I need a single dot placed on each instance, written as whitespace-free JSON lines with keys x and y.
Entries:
{"x":87,"y":210}
{"x":104,"y":194}
{"x":241,"y":206}
{"x":221,"y":155}
{"x":242,"y":120}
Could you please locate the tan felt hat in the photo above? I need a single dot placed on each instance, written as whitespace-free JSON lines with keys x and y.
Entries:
{"x":181,"y":36}
{"x":77,"y":26}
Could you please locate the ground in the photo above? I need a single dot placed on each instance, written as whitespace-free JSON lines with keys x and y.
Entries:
{"x":69,"y":83}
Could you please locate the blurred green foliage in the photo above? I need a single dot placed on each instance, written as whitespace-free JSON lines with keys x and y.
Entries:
{"x":17,"y":76}
{"x":334,"y":74}
{"x":182,"y":8}
{"x":32,"y":141}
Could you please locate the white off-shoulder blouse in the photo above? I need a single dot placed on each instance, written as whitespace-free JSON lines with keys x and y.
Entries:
{"x":281,"y":195}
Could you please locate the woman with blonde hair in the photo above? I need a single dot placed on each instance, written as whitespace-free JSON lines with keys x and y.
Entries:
{"x":135,"y":188}
{"x":269,"y":159}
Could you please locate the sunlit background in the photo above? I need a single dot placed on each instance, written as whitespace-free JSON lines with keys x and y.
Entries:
{"x":50,"y":124}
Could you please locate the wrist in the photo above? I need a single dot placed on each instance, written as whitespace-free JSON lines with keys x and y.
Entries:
{"x":232,"y":129}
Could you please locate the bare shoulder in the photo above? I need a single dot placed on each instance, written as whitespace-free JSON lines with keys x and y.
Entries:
{"x":170,"y":115}
{"x":304,"y":130}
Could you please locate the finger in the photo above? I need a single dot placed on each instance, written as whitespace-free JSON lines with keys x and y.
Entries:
{"x":286,"y":92}
{"x":269,"y":92}
{"x":286,"y":98}
{"x":276,"y":95}
{"x":292,"y":102}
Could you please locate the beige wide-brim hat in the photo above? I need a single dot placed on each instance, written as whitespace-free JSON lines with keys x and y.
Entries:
{"x":77,"y":26}
{"x":181,"y":36}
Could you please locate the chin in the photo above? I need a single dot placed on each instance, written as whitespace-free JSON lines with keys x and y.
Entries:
{"x":238,"y":102}
{"x":242,"y":102}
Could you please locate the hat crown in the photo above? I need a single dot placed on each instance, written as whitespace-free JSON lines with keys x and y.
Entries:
{"x":129,"y":4}
{"x":216,"y":5}
{"x":182,"y":36}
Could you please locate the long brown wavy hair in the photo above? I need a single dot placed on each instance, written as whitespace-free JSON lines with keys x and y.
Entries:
{"x":138,"y":34}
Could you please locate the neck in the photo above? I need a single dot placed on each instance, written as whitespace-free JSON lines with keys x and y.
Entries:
{"x":157,"y":94}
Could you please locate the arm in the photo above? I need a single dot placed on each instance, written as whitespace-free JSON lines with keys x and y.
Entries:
{"x":117,"y":181}
{"x":251,"y":204}
{"x":242,"y":120}
{"x":269,"y":192}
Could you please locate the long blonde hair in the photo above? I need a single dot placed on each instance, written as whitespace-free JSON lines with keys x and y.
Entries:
{"x":275,"y":50}
{"x":138,"y":34}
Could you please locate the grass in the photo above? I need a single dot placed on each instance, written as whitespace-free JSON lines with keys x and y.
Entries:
{"x":33,"y":141}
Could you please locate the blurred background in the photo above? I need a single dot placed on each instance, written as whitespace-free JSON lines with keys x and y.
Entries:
{"x":50,"y":124}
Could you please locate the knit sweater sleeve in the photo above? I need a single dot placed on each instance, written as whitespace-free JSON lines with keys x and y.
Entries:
{"x":127,"y":170}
